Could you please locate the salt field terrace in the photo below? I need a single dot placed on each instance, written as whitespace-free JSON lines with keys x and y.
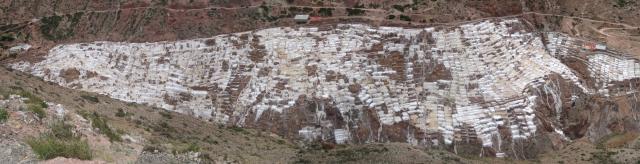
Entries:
{"x":450,"y":84}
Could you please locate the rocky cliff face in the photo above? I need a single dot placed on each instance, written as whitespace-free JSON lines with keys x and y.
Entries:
{"x":489,"y":87}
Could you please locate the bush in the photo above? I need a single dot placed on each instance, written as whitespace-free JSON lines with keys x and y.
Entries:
{"x":191,"y":147}
{"x":7,"y":37}
{"x":399,"y":7}
{"x":621,"y":3}
{"x":327,"y":12}
{"x":405,"y":18}
{"x":354,"y":12}
{"x":34,"y":104}
{"x":38,"y":110}
{"x":165,"y":114}
{"x":93,"y":99}
{"x":391,"y":17}
{"x":49,"y":147}
{"x":100,"y":123}
{"x":62,"y":130}
{"x":97,"y":122}
{"x":121,"y":113}
{"x":60,"y":142}
{"x":307,"y":9}
{"x":32,"y":99}
{"x":4,"y":115}
{"x":49,"y":26}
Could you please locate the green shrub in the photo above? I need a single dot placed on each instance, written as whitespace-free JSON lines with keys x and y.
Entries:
{"x":121,"y":113}
{"x":32,"y":99}
{"x":399,"y":7}
{"x":621,"y":3}
{"x":327,"y":12}
{"x":405,"y":18}
{"x":38,"y":110}
{"x":93,"y":99}
{"x":391,"y":17}
{"x":49,"y":147}
{"x":4,"y":115}
{"x":307,"y":9}
{"x":7,"y":37}
{"x":34,"y":104}
{"x":162,"y":2}
{"x":191,"y":147}
{"x":60,"y":142}
{"x":51,"y":28}
{"x":165,"y":114}
{"x":100,"y":123}
{"x":4,"y":92}
{"x":237,"y":129}
{"x":97,"y":122}
{"x":62,"y":130}
{"x":354,"y":12}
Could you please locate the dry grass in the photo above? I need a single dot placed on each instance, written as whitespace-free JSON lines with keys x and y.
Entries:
{"x":4,"y":115}
{"x":100,"y":123}
{"x":179,"y":134}
{"x":620,"y":140}
{"x":60,"y":142}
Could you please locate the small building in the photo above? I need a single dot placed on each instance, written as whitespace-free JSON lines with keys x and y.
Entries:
{"x":601,"y":47}
{"x":301,"y":18}
{"x":19,"y":48}
{"x":590,"y":46}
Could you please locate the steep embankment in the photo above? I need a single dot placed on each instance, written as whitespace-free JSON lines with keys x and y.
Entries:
{"x":150,"y":129}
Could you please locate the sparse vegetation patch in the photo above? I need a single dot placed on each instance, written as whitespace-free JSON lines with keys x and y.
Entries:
{"x":122,"y":113}
{"x":60,"y":142}
{"x":391,"y":17}
{"x":400,"y":7}
{"x":50,"y":26}
{"x":191,"y":147}
{"x":621,"y":3}
{"x":4,"y":115}
{"x":347,"y":155}
{"x":405,"y":18}
{"x":326,"y":12}
{"x":90,"y":98}
{"x":355,"y":12}
{"x":100,"y":123}
{"x":7,"y":37}
{"x":34,"y":104}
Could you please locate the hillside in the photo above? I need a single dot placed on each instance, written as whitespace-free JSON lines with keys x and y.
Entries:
{"x":239,"y":81}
